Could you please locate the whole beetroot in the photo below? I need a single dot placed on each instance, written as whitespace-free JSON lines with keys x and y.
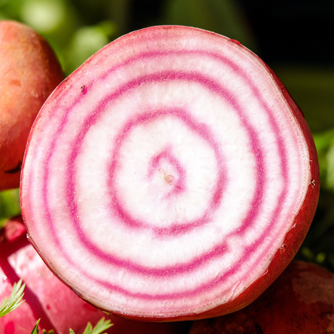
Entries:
{"x":300,"y":301}
{"x":29,"y":71}
{"x":48,"y":299}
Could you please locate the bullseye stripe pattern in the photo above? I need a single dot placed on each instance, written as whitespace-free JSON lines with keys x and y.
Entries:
{"x":163,"y":176}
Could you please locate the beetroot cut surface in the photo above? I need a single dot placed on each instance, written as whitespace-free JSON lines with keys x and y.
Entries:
{"x":48,"y":299}
{"x":170,"y":177}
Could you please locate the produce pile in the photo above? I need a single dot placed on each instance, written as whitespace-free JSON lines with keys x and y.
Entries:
{"x":169,"y":181}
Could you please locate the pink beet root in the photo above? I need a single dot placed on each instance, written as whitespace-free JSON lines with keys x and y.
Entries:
{"x":170,"y":177}
{"x":48,"y":299}
{"x":29,"y":72}
{"x":300,"y":301}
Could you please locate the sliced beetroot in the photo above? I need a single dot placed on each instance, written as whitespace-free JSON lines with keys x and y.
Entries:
{"x":301,"y":301}
{"x":170,"y":177}
{"x":48,"y":299}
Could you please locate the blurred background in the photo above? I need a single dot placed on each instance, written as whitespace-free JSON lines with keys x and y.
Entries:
{"x":294,"y":37}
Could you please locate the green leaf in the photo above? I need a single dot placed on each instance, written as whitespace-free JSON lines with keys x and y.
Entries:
{"x":15,"y":299}
{"x":51,"y":331}
{"x":100,"y":327}
{"x":9,"y":205}
{"x":35,"y":329}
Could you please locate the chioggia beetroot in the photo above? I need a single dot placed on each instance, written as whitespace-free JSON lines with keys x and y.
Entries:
{"x":170,"y":177}
{"x":29,"y":71}
{"x":300,"y":301}
{"x":48,"y":299}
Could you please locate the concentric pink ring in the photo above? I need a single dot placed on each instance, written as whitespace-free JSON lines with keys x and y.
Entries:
{"x":256,"y":203}
{"x":176,"y":227}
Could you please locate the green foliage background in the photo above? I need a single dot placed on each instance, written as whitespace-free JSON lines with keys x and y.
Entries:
{"x":78,"y":28}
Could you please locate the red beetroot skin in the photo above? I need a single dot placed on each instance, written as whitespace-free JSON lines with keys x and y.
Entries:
{"x":48,"y":299}
{"x":301,"y":301}
{"x":29,"y":72}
